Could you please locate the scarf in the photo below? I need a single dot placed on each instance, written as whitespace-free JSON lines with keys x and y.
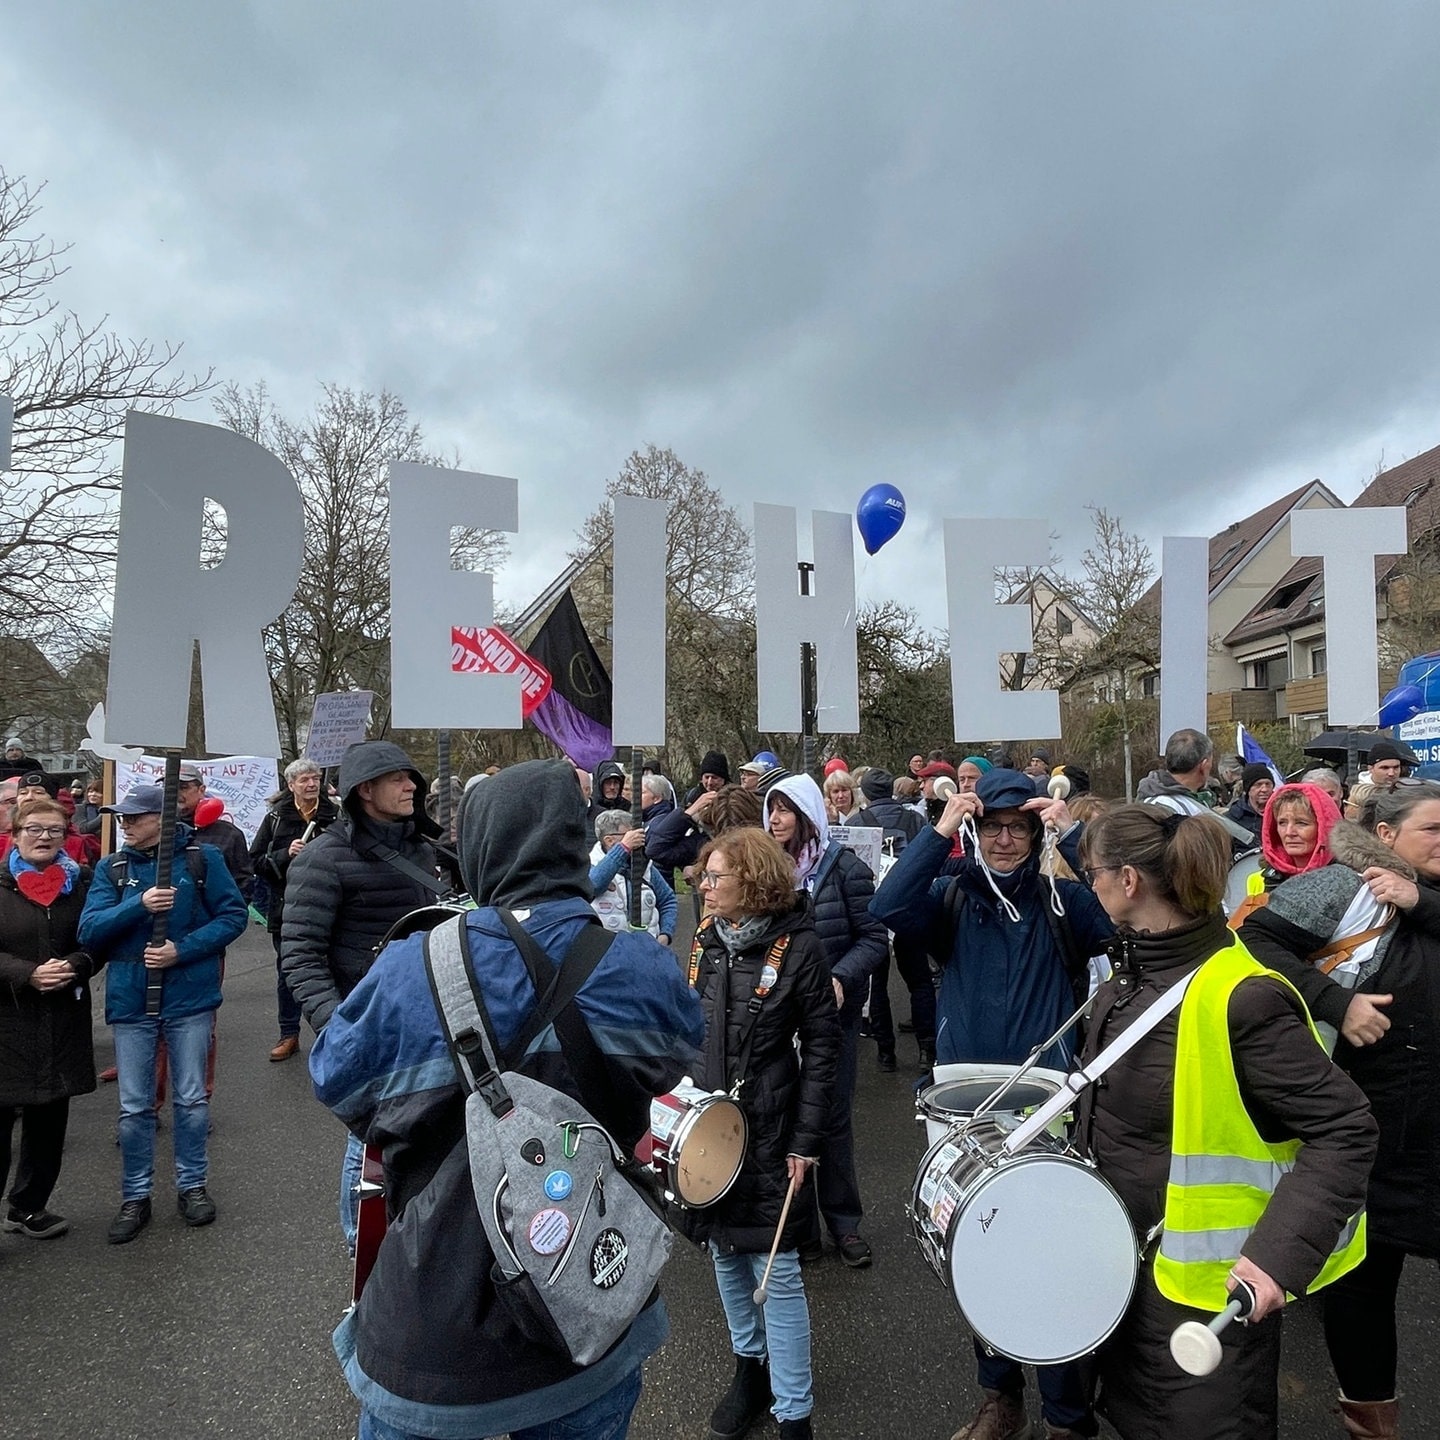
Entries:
{"x":739,"y":935}
{"x":19,"y":867}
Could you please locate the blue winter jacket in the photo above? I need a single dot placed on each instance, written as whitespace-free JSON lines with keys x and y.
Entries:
{"x":429,"y":1348}
{"x":1005,"y":985}
{"x":116,"y":925}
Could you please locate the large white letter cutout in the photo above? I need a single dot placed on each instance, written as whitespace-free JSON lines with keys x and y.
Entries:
{"x":1184,"y":633}
{"x":785,"y":619}
{"x":164,"y":601}
{"x":982,"y":631}
{"x":428,"y":597}
{"x":637,"y":656}
{"x":1349,"y":541}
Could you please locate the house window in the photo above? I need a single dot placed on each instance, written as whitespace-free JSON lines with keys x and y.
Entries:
{"x":1317,"y":661}
{"x":1150,"y":685}
{"x":1064,"y":625}
{"x":1260,"y":675}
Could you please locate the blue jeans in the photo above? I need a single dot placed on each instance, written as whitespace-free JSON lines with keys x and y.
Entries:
{"x":779,"y":1328}
{"x":351,"y":1169}
{"x":188,"y":1041}
{"x":607,"y":1418}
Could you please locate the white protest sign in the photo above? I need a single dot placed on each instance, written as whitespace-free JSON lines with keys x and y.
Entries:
{"x":338,"y":722}
{"x":1184,"y":657}
{"x":867,"y":841}
{"x":7,"y":423}
{"x":243,"y":782}
{"x":1349,"y":541}
{"x":637,"y":664}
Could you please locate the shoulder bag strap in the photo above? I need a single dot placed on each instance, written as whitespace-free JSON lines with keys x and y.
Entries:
{"x":466,"y":1021}
{"x":557,"y":991}
{"x":1081,"y":1079}
{"x":393,"y":858}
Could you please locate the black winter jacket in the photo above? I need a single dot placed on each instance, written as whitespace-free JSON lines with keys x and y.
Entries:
{"x":900,"y":823}
{"x":786,"y":1099}
{"x":229,"y":840}
{"x":854,"y":941}
{"x":1400,"y":1073}
{"x":46,"y":1051}
{"x":282,"y":826}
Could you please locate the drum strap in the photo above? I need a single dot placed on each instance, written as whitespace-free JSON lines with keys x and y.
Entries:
{"x":1078,"y":1080}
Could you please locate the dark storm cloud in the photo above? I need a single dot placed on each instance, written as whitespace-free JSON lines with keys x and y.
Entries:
{"x":1014,"y":260}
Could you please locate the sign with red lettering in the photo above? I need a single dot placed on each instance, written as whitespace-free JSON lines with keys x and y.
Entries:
{"x":492,"y":652}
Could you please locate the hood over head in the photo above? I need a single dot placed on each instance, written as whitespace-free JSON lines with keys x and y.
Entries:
{"x":804,"y":796}
{"x":1327,"y":817}
{"x":607,"y":770}
{"x":524,"y":838}
{"x":371,"y":759}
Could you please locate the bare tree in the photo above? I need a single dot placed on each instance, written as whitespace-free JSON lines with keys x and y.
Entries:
{"x":1116,"y":573}
{"x":335,"y":633}
{"x":710,"y":593}
{"x":72,"y":382}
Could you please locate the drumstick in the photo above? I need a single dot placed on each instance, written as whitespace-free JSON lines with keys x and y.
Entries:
{"x":1196,"y":1347}
{"x":761,"y":1294}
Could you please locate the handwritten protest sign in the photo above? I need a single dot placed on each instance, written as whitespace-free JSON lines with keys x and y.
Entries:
{"x":492,"y":652}
{"x":338,"y":722}
{"x":243,"y":782}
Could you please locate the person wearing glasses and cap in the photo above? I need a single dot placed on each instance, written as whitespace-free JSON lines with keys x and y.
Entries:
{"x":1013,"y":969}
{"x":206,"y":913}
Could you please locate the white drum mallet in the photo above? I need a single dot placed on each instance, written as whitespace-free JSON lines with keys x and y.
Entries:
{"x":761,"y":1294}
{"x":1196,"y":1346}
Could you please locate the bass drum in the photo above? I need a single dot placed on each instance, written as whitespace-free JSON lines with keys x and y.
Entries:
{"x":1036,"y":1248}
{"x":1237,"y":886}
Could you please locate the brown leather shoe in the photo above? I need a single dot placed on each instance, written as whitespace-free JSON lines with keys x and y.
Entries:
{"x":1001,"y":1417}
{"x":289,"y":1045}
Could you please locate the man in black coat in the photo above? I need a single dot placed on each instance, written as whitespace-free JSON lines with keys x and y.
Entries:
{"x":227,"y":838}
{"x":302,"y":812}
{"x":900,"y":824}
{"x":347,"y":888}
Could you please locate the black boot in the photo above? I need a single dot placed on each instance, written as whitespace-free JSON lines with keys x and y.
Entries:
{"x":796,"y":1429}
{"x":747,"y":1399}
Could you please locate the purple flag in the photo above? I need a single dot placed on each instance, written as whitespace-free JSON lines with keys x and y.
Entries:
{"x":585,"y":741}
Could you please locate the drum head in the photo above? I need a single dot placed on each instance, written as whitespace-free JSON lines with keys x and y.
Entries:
{"x":965,"y":1097}
{"x":1237,"y":883}
{"x":1042,"y":1259}
{"x":710,"y":1153}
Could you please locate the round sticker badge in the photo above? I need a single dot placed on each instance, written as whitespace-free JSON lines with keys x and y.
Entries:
{"x":549,"y":1231}
{"x":608,"y":1259}
{"x":768,"y":976}
{"x":558,"y":1185}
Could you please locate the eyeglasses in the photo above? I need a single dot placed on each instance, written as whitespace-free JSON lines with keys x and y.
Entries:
{"x":1016,"y":829}
{"x":713,"y":877}
{"x":131,"y":819}
{"x":48,"y":832}
{"x":1091,"y":871}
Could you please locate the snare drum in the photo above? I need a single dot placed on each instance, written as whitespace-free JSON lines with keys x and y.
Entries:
{"x":1036,"y":1248}
{"x":1237,"y":883}
{"x":960,"y":1090}
{"x":697,"y":1143}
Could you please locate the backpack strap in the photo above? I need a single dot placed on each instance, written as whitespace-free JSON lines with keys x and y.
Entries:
{"x":463,"y":1016}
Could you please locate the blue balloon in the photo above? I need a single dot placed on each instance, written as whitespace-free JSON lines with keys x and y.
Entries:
{"x":880,"y":514}
{"x":1403,"y":703}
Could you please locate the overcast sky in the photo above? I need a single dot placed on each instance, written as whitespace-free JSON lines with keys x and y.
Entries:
{"x":1015,"y":259}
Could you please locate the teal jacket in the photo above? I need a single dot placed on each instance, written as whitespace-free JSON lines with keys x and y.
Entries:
{"x":115,"y":925}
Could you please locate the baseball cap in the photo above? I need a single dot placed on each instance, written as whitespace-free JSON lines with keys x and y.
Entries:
{"x":142,"y":800}
{"x":755,"y":767}
{"x":191,"y":773}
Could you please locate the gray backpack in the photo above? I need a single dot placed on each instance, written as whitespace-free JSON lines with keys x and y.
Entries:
{"x":578,"y":1240}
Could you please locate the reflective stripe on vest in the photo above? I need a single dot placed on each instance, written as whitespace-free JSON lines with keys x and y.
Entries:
{"x":1222,"y":1172}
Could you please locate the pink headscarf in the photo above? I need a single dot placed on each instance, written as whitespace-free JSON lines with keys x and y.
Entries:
{"x":1327,"y":817}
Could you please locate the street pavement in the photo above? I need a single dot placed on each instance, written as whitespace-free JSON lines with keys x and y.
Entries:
{"x":225,"y":1331}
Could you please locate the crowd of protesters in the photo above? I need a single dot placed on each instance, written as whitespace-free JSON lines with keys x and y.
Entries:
{"x":1002,"y":880}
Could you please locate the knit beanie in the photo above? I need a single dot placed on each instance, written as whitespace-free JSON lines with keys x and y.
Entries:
{"x":715,"y":763}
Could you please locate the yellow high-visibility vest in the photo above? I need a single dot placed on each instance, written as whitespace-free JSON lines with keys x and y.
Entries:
{"x":1222,"y":1172}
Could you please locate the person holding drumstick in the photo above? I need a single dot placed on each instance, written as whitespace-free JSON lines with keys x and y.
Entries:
{"x":763,"y":982}
{"x":1239,"y":1150}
